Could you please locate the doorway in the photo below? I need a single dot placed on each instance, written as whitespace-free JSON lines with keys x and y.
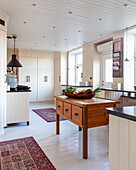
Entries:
{"x":106,"y":70}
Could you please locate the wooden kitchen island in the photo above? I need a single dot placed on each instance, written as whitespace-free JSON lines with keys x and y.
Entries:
{"x":86,"y":113}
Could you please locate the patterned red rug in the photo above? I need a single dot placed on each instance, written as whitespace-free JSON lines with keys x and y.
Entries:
{"x":48,"y":114}
{"x":24,"y":154}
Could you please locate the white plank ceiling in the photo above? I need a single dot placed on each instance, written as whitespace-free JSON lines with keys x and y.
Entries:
{"x":71,"y":30}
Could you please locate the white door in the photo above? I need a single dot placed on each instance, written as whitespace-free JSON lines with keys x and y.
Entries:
{"x":45,"y":79}
{"x":106,"y":70}
{"x":28,"y":76}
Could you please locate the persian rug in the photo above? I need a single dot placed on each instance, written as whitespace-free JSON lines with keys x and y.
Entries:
{"x":24,"y":154}
{"x":48,"y":114}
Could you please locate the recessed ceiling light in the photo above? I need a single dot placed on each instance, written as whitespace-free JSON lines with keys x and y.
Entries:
{"x":65,"y":39}
{"x":70,"y":12}
{"x":34,"y":4}
{"x":100,"y":34}
{"x":36,"y":43}
{"x":79,"y":31}
{"x":125,"y":4}
{"x":44,"y":36}
{"x":54,"y":44}
{"x":84,"y":42}
{"x":100,"y":19}
{"x":24,"y":22}
{"x":54,"y":27}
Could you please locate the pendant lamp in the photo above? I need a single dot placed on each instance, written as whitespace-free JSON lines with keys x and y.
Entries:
{"x":14,"y":62}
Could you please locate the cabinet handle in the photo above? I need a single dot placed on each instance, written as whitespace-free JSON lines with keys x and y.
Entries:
{"x":45,"y":78}
{"x":59,"y":78}
{"x":76,"y":114}
{"x":5,"y":78}
{"x":27,"y":78}
{"x":66,"y":110}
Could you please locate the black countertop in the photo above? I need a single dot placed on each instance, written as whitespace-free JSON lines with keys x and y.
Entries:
{"x":123,"y":112}
{"x":106,"y":89}
{"x":75,"y":86}
{"x":19,"y":90}
{"x":121,"y":90}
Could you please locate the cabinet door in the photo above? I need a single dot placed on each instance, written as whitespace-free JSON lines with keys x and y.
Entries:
{"x":17,"y":107}
{"x":3,"y":69}
{"x":28,"y":75}
{"x":45,"y":79}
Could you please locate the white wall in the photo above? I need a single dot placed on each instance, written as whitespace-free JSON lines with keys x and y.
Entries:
{"x":96,"y":68}
{"x":91,"y":61}
{"x":121,"y":79}
{"x":129,"y":65}
{"x":63,"y":68}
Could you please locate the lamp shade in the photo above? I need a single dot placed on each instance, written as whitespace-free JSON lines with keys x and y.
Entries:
{"x":14,"y":62}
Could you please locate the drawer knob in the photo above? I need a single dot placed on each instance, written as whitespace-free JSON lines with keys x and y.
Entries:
{"x":76,"y":114}
{"x":58,"y":106}
{"x":66,"y":110}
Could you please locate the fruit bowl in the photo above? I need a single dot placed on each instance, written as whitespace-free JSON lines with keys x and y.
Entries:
{"x":80,"y":96}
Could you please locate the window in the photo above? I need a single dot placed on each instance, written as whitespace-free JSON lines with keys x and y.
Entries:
{"x":75,"y":67}
{"x":64,"y":68}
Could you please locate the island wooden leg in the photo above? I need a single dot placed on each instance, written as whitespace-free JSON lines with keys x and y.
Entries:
{"x":80,"y":129}
{"x":85,"y":133}
{"x":57,"y":124}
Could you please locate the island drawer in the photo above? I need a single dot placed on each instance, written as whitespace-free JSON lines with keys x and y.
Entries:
{"x":59,"y":107}
{"x":67,"y":110}
{"x":77,"y":114}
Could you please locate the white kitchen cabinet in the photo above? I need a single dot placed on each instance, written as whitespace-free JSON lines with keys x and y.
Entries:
{"x":17,"y":107}
{"x":3,"y":70}
{"x":28,"y":75}
{"x":122,"y":140}
{"x":45,"y":79}
{"x":57,"y":73}
{"x":38,"y":73}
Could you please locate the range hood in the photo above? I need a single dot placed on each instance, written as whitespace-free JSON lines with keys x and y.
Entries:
{"x":14,"y":62}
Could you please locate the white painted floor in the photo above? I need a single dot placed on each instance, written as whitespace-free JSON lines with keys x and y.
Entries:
{"x":64,"y":150}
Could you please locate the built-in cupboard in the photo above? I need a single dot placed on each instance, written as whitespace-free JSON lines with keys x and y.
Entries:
{"x":3,"y":69}
{"x":38,"y":73}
